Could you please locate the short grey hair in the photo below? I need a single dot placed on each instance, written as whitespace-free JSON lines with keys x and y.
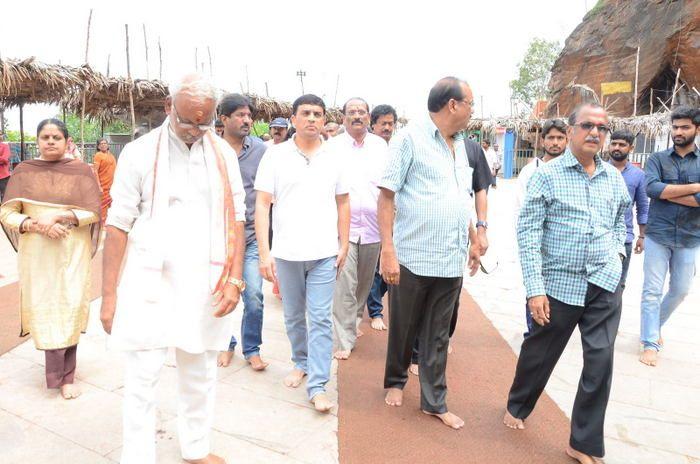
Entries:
{"x":195,"y":85}
{"x":573,"y":117}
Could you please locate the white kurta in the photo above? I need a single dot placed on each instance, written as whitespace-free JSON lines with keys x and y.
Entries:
{"x":164,"y":296}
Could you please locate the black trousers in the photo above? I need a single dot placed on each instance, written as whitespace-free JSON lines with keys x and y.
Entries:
{"x":598,"y":322}
{"x":415,"y":355}
{"x":421,"y":306}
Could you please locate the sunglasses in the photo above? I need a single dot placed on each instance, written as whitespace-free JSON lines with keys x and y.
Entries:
{"x":588,"y":126}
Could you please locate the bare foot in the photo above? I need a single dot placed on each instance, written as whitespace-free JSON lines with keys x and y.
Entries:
{"x":394,"y":397}
{"x":378,"y":323}
{"x":582,"y":458}
{"x":294,"y":378}
{"x":448,"y":419}
{"x":413,"y":369}
{"x":341,"y":354}
{"x":661,"y":341}
{"x":257,"y":363}
{"x":649,"y":357}
{"x":322,"y":403}
{"x":513,"y":422}
{"x":450,"y":350}
{"x":359,"y":332}
{"x":224,"y":358}
{"x":209,"y":459}
{"x":70,"y":391}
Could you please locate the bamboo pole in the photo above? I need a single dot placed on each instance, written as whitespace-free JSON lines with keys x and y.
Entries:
{"x":21,"y":132}
{"x":82,"y":111}
{"x":109,"y":57}
{"x":131,"y":83}
{"x":675,"y":86}
{"x":196,"y":59}
{"x":636,"y":83}
{"x":651,"y":101}
{"x":160,"y":61}
{"x":211,"y":70}
{"x":145,"y":44}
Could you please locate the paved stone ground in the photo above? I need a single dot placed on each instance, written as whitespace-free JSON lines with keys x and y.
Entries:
{"x":654,"y":413}
{"x":258,"y":419}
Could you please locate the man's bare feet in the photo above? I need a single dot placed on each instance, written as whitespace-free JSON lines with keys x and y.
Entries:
{"x":661,"y":341}
{"x":209,"y":459}
{"x":513,"y":422}
{"x":224,"y":358}
{"x":322,"y":403}
{"x":394,"y":397}
{"x":257,"y":363}
{"x":294,"y":378}
{"x":413,"y":369}
{"x":70,"y":391}
{"x":378,"y":323}
{"x":649,"y":357}
{"x":450,"y":350}
{"x":359,"y":332}
{"x":448,"y":419}
{"x":582,"y":458}
{"x":341,"y":354}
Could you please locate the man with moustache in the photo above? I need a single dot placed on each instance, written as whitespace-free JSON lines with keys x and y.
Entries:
{"x":426,"y":188}
{"x":330,"y":130}
{"x":553,"y":143}
{"x":365,"y":157}
{"x":673,"y":230}
{"x":278,"y":131}
{"x":382,"y":122}
{"x":621,"y":145}
{"x":236,"y":113}
{"x":571,"y":234}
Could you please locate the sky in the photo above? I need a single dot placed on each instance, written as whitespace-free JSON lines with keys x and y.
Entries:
{"x":383,"y":51}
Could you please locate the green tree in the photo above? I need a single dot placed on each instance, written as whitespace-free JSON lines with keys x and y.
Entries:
{"x":92,"y":129}
{"x":534,"y":71}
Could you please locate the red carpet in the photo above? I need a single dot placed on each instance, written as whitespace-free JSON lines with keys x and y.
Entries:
{"x":479,"y":375}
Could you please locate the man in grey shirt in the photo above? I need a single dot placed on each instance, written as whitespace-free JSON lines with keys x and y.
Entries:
{"x":236,"y":112}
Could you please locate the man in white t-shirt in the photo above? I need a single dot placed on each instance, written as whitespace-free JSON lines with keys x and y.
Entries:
{"x":492,"y":159}
{"x":366,"y":154}
{"x":553,"y":143}
{"x":311,"y":226}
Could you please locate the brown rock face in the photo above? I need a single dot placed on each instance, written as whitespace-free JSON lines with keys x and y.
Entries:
{"x":603,"y":48}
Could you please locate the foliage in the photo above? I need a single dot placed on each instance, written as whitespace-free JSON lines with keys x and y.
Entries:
{"x":92,"y":129}
{"x":260,"y":128}
{"x":13,"y":136}
{"x":534,"y":71}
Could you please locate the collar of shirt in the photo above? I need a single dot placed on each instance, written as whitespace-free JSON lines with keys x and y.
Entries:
{"x":317,"y":153}
{"x":432,"y":129}
{"x":569,"y":160}
{"x":672,"y":151}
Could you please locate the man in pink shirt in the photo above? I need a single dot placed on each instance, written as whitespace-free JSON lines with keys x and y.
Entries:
{"x":4,"y":165}
{"x":364,"y":155}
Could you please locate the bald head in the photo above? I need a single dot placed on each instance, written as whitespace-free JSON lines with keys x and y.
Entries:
{"x":191,"y":107}
{"x":194,"y":85}
{"x":444,"y":90}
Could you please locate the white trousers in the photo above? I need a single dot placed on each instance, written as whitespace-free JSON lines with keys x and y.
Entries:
{"x":196,"y":381}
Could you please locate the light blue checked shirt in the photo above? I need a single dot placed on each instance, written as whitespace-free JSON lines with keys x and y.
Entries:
{"x":572,"y":229}
{"x":433,"y":205}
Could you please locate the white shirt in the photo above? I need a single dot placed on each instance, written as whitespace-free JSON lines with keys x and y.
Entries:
{"x":523,"y":178}
{"x":305,"y":214}
{"x":366,"y":163}
{"x":165,"y":300}
{"x":492,"y":158}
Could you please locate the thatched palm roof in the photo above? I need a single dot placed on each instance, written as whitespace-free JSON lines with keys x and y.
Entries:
{"x":30,"y":81}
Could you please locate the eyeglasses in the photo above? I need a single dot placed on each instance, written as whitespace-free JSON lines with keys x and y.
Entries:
{"x":357,"y":113}
{"x":189,"y":125}
{"x":588,"y":126}
{"x":470,"y":103}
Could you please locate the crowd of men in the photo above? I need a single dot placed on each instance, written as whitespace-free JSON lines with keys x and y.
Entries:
{"x":336,"y":215}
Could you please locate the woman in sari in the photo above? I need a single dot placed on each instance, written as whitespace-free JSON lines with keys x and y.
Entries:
{"x":51,"y":214}
{"x":104,"y":163}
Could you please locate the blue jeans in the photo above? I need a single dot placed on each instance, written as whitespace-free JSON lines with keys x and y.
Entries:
{"x":307,"y":295}
{"x":626,"y":264}
{"x":658,"y":261}
{"x":374,"y":300}
{"x":252,"y":322}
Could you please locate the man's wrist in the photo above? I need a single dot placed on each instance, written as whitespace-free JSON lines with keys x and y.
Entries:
{"x":482,"y":224}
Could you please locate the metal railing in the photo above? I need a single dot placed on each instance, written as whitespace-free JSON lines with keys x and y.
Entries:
{"x":31,"y":152}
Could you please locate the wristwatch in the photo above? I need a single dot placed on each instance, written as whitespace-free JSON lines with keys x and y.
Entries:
{"x":483,"y":224}
{"x":240,"y":284}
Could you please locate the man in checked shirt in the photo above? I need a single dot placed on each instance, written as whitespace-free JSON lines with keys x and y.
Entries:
{"x":571,"y":235}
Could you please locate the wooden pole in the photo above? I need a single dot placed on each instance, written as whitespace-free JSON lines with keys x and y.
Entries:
{"x":267,"y":91}
{"x":160,"y":61}
{"x":636,"y":83}
{"x":21,"y":132}
{"x":335,"y":95}
{"x":131,"y":83}
{"x":651,"y":101}
{"x":109,"y":57}
{"x":537,"y":140}
{"x":675,"y":86}
{"x":82,"y":111}
{"x":196,"y":59}
{"x":211,"y":69}
{"x":145,"y":44}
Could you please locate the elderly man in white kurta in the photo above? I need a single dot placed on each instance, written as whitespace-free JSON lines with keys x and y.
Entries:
{"x":177,"y":217}
{"x":366,"y":156}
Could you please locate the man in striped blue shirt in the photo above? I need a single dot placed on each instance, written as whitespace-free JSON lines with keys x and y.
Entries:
{"x":571,"y":235}
{"x":427,"y":182}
